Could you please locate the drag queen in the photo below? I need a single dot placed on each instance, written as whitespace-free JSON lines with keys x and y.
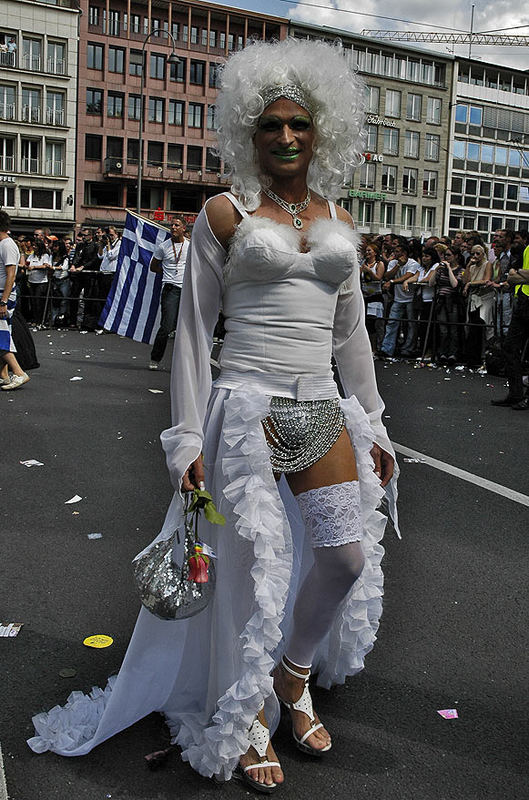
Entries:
{"x":297,"y":472}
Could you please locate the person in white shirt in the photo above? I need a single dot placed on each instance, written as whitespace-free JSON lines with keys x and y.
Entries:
{"x":400,"y":270}
{"x":109,"y":246}
{"x":37,"y":266}
{"x":9,"y":257}
{"x":169,"y":260}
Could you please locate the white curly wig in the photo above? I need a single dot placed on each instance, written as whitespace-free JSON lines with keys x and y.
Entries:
{"x":336,"y":94}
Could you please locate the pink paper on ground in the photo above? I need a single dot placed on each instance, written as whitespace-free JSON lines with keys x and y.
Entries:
{"x":448,"y":713}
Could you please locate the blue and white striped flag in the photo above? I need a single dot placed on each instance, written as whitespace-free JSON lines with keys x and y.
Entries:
{"x":133,"y":304}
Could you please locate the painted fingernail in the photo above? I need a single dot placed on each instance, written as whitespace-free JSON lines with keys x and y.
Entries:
{"x":201,"y":485}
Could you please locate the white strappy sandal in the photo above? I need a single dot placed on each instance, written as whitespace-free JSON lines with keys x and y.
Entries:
{"x":259,"y":738}
{"x":304,"y":704}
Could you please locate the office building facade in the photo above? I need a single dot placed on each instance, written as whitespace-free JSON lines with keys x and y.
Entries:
{"x":38,"y":105}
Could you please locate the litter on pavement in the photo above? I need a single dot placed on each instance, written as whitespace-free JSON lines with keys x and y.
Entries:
{"x":448,"y":713}
{"x":10,"y":630}
{"x":32,"y":462}
{"x":74,"y":499}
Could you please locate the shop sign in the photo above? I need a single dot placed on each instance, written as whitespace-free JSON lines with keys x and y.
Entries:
{"x":372,"y":157}
{"x":374,"y":119}
{"x":364,"y":195}
{"x":7,"y":179}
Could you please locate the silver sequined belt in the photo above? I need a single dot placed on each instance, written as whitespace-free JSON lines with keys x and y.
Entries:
{"x":299,"y":433}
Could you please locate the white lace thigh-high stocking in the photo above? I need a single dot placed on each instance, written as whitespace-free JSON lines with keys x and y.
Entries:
{"x":333,"y":518}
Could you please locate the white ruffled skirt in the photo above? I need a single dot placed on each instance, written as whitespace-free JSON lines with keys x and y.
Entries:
{"x":210,"y":674}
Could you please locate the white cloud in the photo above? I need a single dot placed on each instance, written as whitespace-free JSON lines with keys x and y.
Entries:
{"x":501,"y":16}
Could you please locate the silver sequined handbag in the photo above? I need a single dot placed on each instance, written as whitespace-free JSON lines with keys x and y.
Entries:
{"x":164,"y":586}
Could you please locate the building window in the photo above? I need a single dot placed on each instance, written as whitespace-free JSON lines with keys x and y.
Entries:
{"x":413,"y":107}
{"x":7,"y":197}
{"x":213,"y":38}
{"x":135,"y":62}
{"x":185,"y":33}
{"x":429,"y":183}
{"x":194,"y":158}
{"x":116,"y":59}
{"x":175,"y":156}
{"x":7,"y":102}
{"x":392,"y":103}
{"x":41,"y":198}
{"x":204,"y":37}
{"x":194,"y":115}
{"x":409,"y":180}
{"x":476,"y":115}
{"x":372,"y":99}
{"x":428,"y":219}
{"x":411,"y":144}
{"x":7,"y":154}
{"x":157,"y":66}
{"x":178,"y":71}
{"x":56,"y":62}
{"x":390,"y":141}
{"x":366,"y":209}
{"x":222,"y":40}
{"x":196,"y":72}
{"x":114,"y":147}
{"x":372,"y":136}
{"x":155,"y":154}
{"x":175,"y":30}
{"x":156,"y":109}
{"x":231,"y":41}
{"x":30,"y":155}
{"x":194,"y":34}
{"x":54,"y":158}
{"x":387,"y":215}
{"x":133,"y":149}
{"x":94,"y":101}
{"x":212,"y":118}
{"x":32,"y":54}
{"x":54,"y":108}
{"x":433,"y":110}
{"x":115,"y":104}
{"x":134,"y":106}
{"x":135,"y":23}
{"x":176,"y":112}
{"x":214,"y":81}
{"x":94,"y":56}
{"x":113,"y":23}
{"x":31,"y":105}
{"x":389,"y":179}
{"x":103,"y":194}
{"x":431,"y":149}
{"x":461,"y":113}
{"x":93,"y":147}
{"x":408,"y":217}
{"x":93,"y":15}
{"x":212,"y":161}
{"x":368,"y":176}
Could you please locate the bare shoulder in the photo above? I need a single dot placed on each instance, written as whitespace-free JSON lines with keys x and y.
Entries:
{"x":344,"y":216}
{"x":223,"y":218}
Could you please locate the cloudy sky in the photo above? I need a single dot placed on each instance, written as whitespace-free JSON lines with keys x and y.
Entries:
{"x":504,"y":16}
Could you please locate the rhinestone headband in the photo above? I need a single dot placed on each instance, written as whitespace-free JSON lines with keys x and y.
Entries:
{"x":291,"y":92}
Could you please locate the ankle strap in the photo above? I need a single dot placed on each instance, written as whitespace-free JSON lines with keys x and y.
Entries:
{"x":304,"y":675}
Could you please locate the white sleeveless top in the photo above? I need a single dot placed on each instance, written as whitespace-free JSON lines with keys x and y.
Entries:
{"x":279,"y":302}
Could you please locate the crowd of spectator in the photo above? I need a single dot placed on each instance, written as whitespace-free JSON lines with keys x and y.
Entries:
{"x":444,"y":298}
{"x":64,"y":282}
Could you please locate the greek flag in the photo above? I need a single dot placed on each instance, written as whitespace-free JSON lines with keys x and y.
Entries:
{"x":133,"y":304}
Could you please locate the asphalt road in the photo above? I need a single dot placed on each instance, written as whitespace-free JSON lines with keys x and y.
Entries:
{"x":453,"y":633}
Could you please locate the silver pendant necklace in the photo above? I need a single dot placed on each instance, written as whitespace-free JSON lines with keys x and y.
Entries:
{"x":294,"y":209}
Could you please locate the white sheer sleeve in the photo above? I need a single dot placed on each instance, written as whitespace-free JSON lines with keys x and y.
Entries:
{"x":354,"y":360}
{"x":191,"y":371}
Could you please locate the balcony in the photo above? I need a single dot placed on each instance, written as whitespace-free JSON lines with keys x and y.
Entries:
{"x":30,"y":165}
{"x":7,"y":163}
{"x":113,"y":164}
{"x":30,"y":114}
{"x":7,"y":111}
{"x":57,"y":66}
{"x":55,"y":168}
{"x":8,"y":59}
{"x":54,"y":116}
{"x":31,"y":62}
